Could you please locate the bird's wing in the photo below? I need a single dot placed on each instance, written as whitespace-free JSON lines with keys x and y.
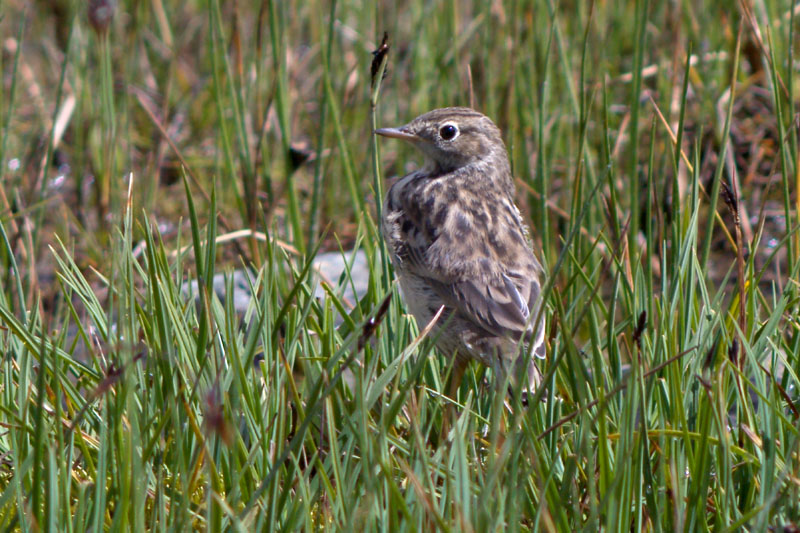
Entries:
{"x":501,"y":304}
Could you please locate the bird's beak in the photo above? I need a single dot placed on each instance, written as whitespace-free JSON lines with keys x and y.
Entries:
{"x":397,"y":133}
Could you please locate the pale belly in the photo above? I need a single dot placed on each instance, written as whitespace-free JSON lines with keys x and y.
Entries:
{"x":419,"y":298}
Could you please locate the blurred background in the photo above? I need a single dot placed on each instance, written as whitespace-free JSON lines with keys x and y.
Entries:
{"x":269,"y":103}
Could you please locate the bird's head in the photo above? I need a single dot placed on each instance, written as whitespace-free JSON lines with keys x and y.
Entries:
{"x":453,"y":137}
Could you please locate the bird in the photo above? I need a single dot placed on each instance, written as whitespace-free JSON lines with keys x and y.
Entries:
{"x":459,"y":245}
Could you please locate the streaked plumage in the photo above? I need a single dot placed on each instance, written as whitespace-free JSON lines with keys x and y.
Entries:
{"x":457,"y":240}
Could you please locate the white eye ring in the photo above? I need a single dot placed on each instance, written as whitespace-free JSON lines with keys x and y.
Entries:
{"x":448,"y":131}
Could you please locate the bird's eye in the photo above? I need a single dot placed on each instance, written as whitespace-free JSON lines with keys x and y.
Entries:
{"x":448,"y":132}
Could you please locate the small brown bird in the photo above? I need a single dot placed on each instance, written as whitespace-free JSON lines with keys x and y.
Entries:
{"x":457,"y":240}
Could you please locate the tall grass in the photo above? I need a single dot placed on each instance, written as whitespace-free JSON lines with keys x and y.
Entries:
{"x":129,"y":402}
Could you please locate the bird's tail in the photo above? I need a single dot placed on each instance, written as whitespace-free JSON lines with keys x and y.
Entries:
{"x":525,"y":379}
{"x":531,"y":375}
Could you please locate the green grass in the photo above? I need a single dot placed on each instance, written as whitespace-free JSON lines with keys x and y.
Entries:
{"x":671,"y":398}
